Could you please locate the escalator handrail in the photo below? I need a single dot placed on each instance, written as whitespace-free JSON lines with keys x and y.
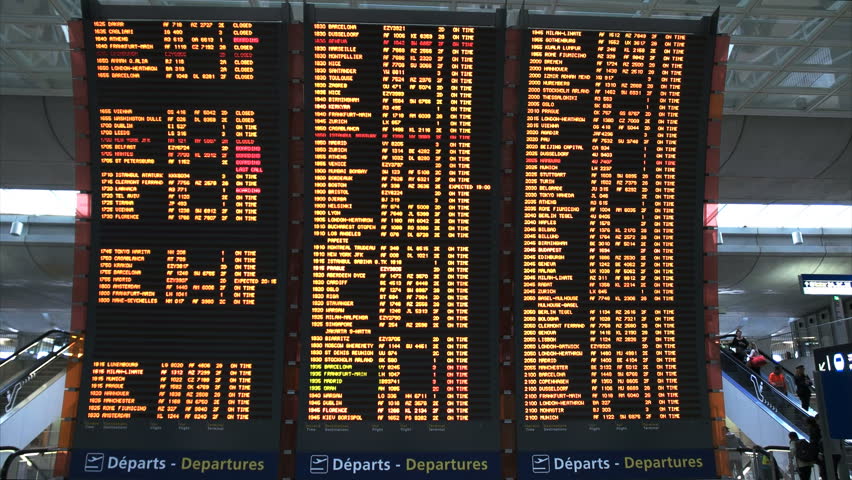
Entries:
{"x":32,"y":344}
{"x":4,"y":448}
{"x":772,"y":361}
{"x":4,"y":471}
{"x":783,"y":395}
{"x":777,"y":448}
{"x":33,"y":369}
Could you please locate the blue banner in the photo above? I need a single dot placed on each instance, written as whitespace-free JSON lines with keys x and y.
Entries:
{"x":130,"y":464}
{"x":657,"y":464}
{"x":370,"y":466}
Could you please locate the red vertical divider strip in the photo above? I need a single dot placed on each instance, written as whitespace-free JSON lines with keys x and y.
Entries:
{"x":295,"y":227}
{"x":711,"y":269}
{"x":511,"y":113}
{"x":82,"y":241}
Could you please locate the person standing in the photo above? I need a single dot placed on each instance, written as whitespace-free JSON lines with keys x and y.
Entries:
{"x":777,"y":380}
{"x":815,"y":432}
{"x":802,"y":466}
{"x":803,"y":387}
{"x":739,"y":345}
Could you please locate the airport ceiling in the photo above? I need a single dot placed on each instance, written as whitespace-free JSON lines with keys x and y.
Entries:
{"x":787,"y":57}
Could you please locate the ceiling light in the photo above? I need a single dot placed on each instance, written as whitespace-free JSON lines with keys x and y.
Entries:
{"x":17,"y":228}
{"x":797,"y":238}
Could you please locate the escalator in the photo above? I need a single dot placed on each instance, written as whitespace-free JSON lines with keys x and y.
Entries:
{"x":782,"y":405}
{"x":765,"y":414}
{"x":32,"y":386}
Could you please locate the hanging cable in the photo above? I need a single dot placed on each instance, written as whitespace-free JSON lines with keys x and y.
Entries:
{"x":824,"y":250}
{"x":35,"y":262}
{"x":753,"y":265}
{"x":53,"y":131}
{"x":736,"y":143}
{"x":839,"y":155}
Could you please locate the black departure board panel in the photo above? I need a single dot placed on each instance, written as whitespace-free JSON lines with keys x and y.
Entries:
{"x":184,"y":336}
{"x":400,"y":300}
{"x":609,"y":312}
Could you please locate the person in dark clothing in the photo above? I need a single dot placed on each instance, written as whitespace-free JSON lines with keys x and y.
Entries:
{"x":815,"y":432}
{"x":739,"y":345}
{"x":802,"y":467}
{"x":803,"y":387}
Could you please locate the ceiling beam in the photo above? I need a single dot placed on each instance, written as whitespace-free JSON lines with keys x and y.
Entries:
{"x":32,"y":19}
{"x":788,"y":112}
{"x":840,"y":87}
{"x":785,"y":250}
{"x":738,"y":19}
{"x":649,"y":10}
{"x":799,"y":68}
{"x":42,"y":46}
{"x":788,"y":90}
{"x":792,"y":12}
{"x":782,"y":68}
{"x":39,"y":92}
{"x":60,"y":9}
{"x":39,"y":73}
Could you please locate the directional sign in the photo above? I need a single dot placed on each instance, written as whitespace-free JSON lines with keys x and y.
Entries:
{"x":826,"y":284}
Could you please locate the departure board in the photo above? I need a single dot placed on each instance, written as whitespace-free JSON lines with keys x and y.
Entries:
{"x":400,"y":299}
{"x":400,"y":131}
{"x":184,"y":336}
{"x":609,"y":313}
